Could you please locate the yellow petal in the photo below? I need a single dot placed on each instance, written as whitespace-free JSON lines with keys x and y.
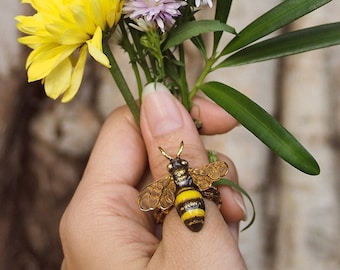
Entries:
{"x":37,"y":52}
{"x":67,"y":35}
{"x":112,"y":18}
{"x":48,"y":7}
{"x":97,"y":39}
{"x":114,"y":12}
{"x":96,"y":48}
{"x":83,"y":19}
{"x":96,"y":12}
{"x":29,"y":24}
{"x":44,"y":59}
{"x":77,"y":76}
{"x":59,"y":79}
{"x":31,"y":41}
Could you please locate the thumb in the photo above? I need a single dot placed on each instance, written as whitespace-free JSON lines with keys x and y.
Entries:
{"x":165,"y":122}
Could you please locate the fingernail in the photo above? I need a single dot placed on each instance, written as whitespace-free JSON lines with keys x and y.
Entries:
{"x":240,"y":202}
{"x":160,"y":109}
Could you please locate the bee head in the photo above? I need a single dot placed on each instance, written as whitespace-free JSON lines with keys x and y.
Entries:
{"x":175,"y":163}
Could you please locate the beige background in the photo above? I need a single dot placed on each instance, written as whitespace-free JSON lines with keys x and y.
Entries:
{"x":44,"y":146}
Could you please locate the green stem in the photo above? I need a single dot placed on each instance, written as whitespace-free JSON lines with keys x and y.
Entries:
{"x":121,"y":82}
{"x":207,"y":69}
{"x":141,"y":58}
{"x":183,"y":80}
{"x":138,"y":79}
{"x":128,"y":47}
{"x":160,"y":61}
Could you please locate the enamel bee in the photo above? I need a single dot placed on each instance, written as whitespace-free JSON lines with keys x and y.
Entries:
{"x":184,"y":187}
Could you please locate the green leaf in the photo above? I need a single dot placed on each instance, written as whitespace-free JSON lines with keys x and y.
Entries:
{"x":287,"y":44}
{"x":262,"y":125}
{"x":194,"y":28}
{"x":212,"y":156}
{"x":227,"y":182}
{"x":279,"y":16}
{"x":221,"y":15}
{"x":199,"y":43}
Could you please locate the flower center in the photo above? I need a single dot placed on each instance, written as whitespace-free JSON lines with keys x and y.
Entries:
{"x":153,"y":3}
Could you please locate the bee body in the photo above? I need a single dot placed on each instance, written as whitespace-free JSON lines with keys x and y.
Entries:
{"x":184,"y":188}
{"x":190,"y":207}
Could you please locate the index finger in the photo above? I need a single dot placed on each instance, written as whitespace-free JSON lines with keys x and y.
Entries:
{"x":119,"y":154}
{"x":214,"y":119}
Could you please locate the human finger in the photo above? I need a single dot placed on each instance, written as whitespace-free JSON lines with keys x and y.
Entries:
{"x":233,"y":206}
{"x":214,"y":119}
{"x":112,"y":156}
{"x":165,"y":123}
{"x":103,"y":217}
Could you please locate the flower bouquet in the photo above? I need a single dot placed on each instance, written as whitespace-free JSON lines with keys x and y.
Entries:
{"x":153,"y":33}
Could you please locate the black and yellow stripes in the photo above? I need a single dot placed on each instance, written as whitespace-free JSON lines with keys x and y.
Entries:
{"x":190,"y":207}
{"x":185,"y":188}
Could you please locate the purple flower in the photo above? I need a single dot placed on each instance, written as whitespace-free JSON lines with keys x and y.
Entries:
{"x":159,"y":12}
{"x":208,"y":2}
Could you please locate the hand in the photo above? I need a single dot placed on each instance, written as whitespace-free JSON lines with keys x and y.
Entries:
{"x":103,"y":228}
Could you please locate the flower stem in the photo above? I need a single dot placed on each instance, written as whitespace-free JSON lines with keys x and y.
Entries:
{"x":206,"y":70}
{"x":140,"y":52}
{"x":121,"y":82}
{"x":183,"y":81}
{"x":128,"y":47}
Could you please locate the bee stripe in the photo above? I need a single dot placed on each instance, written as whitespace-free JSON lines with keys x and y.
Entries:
{"x":194,"y":213}
{"x":186,"y":195}
{"x":190,"y":207}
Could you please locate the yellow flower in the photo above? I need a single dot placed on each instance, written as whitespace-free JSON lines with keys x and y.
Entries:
{"x":60,"y":34}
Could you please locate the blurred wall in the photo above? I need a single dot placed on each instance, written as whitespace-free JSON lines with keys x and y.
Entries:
{"x":44,"y":146}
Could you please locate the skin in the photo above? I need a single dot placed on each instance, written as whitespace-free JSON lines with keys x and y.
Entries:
{"x":103,"y":228}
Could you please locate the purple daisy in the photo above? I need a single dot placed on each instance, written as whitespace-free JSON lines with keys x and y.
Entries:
{"x":159,"y":12}
{"x":203,"y":2}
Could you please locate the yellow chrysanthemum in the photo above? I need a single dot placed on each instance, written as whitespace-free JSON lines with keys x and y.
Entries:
{"x":60,"y":34}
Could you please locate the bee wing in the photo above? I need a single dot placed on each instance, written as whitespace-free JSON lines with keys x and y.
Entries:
{"x":167,"y":198}
{"x":156,"y":195}
{"x":207,"y":174}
